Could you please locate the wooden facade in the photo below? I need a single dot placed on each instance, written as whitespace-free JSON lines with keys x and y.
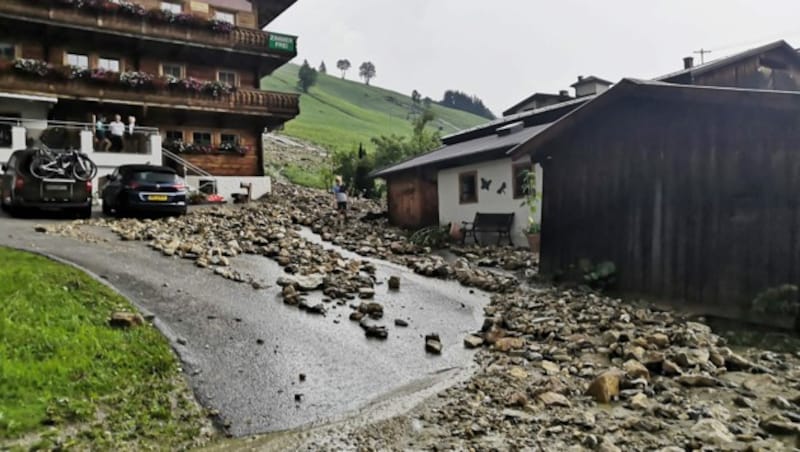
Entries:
{"x":413,"y":199}
{"x":49,"y":31}
{"x":692,"y":192}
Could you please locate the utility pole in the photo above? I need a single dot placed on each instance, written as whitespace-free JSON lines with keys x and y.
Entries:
{"x":702,"y":53}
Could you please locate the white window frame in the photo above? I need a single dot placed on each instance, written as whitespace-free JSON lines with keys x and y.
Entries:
{"x":180,"y":66}
{"x":103,"y":63}
{"x":235,"y":77}
{"x":225,"y":16}
{"x":74,"y":59}
{"x":173,"y":7}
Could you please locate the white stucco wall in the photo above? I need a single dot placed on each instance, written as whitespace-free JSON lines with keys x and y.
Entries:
{"x":33,"y":115}
{"x":228,"y":185}
{"x":489,"y":201}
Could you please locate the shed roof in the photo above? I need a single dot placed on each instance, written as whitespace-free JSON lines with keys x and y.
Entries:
{"x":515,"y":108}
{"x":701,"y":69}
{"x":652,"y":89}
{"x":486,"y":144}
{"x":590,"y":79}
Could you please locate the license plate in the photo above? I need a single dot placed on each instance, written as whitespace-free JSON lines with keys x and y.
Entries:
{"x":56,"y":187}
{"x":157,"y":197}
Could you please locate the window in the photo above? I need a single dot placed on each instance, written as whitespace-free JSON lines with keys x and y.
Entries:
{"x":7,"y":51}
{"x":174,"y":70}
{"x":227,"y":77}
{"x":173,"y":7}
{"x":174,"y":135}
{"x":468,"y":187}
{"x":201,"y":138}
{"x":79,"y":60}
{"x":519,"y":176}
{"x":223,"y":16}
{"x":109,"y":64}
{"x":228,"y":138}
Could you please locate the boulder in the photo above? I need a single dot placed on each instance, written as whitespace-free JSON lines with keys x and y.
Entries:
{"x":551,"y":398}
{"x":125,"y":320}
{"x":433,"y":344}
{"x":507,"y":344}
{"x":366,"y":293}
{"x":473,"y":341}
{"x":634,"y":369}
{"x":712,"y":432}
{"x":605,"y":386}
{"x":394,"y":283}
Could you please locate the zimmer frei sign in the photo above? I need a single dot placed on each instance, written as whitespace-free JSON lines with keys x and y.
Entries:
{"x":283,"y":43}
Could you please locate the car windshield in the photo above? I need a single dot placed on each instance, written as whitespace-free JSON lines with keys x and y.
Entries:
{"x":154,"y":177}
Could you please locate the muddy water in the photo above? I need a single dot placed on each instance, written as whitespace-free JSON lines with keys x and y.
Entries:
{"x":746,"y":335}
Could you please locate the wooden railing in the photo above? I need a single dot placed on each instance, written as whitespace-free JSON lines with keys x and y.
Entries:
{"x":240,"y":38}
{"x":243,"y":101}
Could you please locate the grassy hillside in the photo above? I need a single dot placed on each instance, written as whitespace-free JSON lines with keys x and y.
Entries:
{"x":340,"y":114}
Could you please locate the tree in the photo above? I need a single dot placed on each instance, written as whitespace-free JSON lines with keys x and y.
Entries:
{"x":322,"y":68}
{"x":306,"y":77}
{"x":393,"y":148}
{"x":344,"y":66}
{"x":367,"y":71}
{"x":465,"y":102}
{"x":416,"y":97}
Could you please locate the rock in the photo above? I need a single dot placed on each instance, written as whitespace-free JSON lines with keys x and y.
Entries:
{"x":374,"y":310}
{"x":551,"y":398}
{"x":734,"y":362}
{"x":606,"y":445}
{"x":302,"y":377}
{"x":298,"y":397}
{"x":550,"y":367}
{"x":394,"y":283}
{"x":698,"y":381}
{"x":507,"y":344}
{"x":473,"y":341}
{"x":712,"y":432}
{"x":605,"y":386}
{"x":356,"y":316}
{"x":780,"y":402}
{"x":518,"y":373}
{"x":634,"y":369}
{"x":40,"y":228}
{"x":669,"y":368}
{"x":433,"y":344}
{"x":689,"y":358}
{"x":743,"y":402}
{"x":182,"y":341}
{"x":125,"y":320}
{"x":289,"y":292}
{"x":517,"y":399}
{"x":366,"y":293}
{"x":400,"y":323}
{"x":660,"y":340}
{"x":779,"y":425}
{"x":377,"y":332}
{"x":640,"y":402}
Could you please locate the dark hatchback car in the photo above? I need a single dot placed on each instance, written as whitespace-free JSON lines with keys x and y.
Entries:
{"x":21,"y":192}
{"x":144,"y":190}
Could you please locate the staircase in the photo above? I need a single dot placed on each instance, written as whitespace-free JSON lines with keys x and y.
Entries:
{"x":186,"y":167}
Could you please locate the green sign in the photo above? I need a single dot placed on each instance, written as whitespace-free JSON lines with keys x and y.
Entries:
{"x":284,"y":43}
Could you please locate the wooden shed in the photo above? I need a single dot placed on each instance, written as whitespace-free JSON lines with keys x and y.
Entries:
{"x":693,"y":192}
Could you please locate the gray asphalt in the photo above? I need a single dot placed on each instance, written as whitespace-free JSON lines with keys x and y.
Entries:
{"x":215,"y":326}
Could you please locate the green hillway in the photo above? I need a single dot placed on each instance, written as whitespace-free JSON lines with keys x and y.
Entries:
{"x":339,"y":114}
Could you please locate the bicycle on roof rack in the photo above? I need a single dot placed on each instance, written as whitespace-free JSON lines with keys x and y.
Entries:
{"x":69,"y":164}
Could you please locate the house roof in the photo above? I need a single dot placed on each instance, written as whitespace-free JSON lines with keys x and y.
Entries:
{"x":464,"y":149}
{"x":514,"y":109}
{"x":269,"y":10}
{"x":590,"y":79}
{"x":490,"y":127}
{"x":651,"y":89}
{"x":725,"y":61}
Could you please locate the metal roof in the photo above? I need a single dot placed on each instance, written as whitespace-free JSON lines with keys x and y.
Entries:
{"x":477,"y":146}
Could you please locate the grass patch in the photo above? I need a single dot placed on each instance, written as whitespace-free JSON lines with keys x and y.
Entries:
{"x":339,"y":114}
{"x":308,"y":177}
{"x":67,"y":378}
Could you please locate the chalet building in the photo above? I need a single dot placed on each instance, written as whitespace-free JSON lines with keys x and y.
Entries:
{"x":688,"y":183}
{"x":188,"y":71}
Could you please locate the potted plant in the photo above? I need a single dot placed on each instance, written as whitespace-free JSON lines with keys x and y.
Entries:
{"x":532,"y":196}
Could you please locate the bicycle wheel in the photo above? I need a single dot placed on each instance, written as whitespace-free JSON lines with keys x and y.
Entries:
{"x":40,"y":167}
{"x":83,"y":168}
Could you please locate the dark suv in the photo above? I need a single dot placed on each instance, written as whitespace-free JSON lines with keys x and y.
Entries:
{"x":144,"y":189}
{"x":20,"y":191}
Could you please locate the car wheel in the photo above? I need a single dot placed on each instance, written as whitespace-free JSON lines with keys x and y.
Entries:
{"x":84,"y":212}
{"x":106,"y":208}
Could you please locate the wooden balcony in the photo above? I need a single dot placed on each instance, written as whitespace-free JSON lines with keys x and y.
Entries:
{"x":242,"y":102}
{"x":243,"y":39}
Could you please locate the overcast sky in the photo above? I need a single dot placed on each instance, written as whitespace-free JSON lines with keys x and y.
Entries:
{"x":505,"y":50}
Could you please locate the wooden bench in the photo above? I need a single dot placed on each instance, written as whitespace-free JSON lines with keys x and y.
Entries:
{"x":496,"y":223}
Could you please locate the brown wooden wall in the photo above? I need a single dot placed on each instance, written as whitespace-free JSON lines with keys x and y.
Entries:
{"x":224,"y":165}
{"x":413,"y":200}
{"x":774,"y":70}
{"x":699,"y":203}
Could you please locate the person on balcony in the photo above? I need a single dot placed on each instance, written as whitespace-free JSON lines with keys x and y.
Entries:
{"x":102,"y":143}
{"x":117,"y":128}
